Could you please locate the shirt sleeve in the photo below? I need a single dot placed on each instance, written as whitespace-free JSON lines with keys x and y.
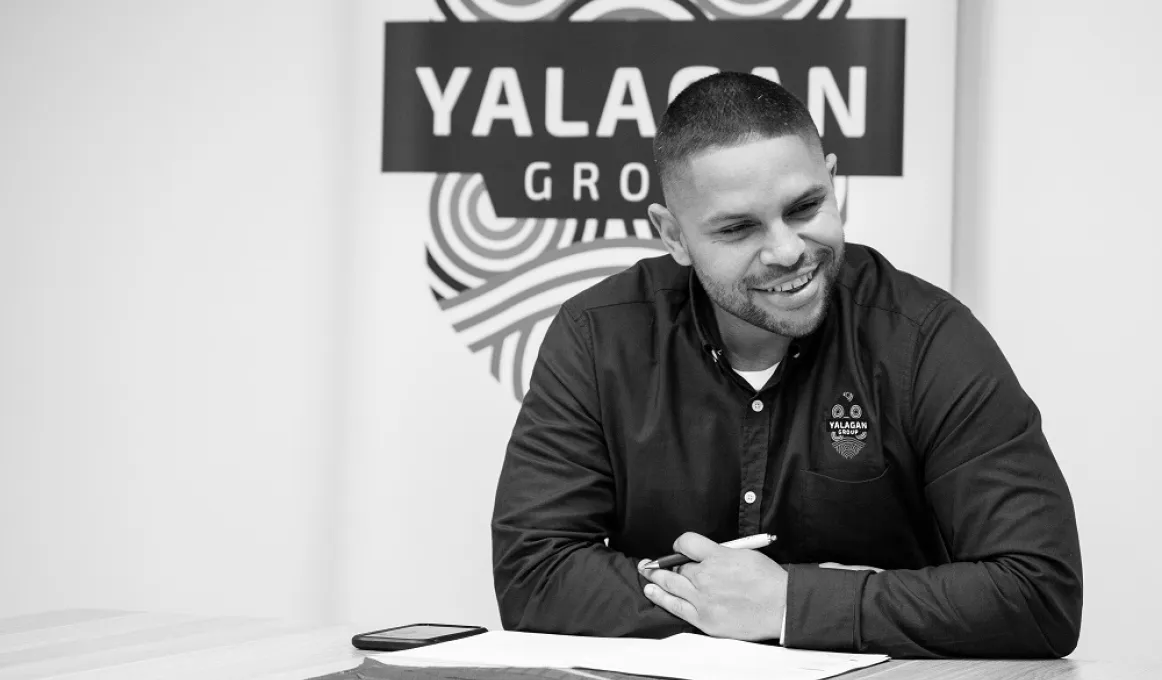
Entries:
{"x":1014,"y":586}
{"x":555,"y":506}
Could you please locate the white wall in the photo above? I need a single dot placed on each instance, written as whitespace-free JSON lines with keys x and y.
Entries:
{"x":1056,"y":248}
{"x":169,"y":211}
{"x":173,"y":296}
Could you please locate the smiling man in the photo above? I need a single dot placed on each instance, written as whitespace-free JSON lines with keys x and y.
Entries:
{"x":764,"y":377}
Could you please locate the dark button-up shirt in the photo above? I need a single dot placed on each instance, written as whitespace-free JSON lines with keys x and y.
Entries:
{"x":895,"y":436}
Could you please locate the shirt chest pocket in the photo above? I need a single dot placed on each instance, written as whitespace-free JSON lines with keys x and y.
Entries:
{"x":861,"y":522}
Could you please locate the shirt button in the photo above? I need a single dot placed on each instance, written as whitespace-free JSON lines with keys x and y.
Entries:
{"x":749,"y":497}
{"x":756,"y":405}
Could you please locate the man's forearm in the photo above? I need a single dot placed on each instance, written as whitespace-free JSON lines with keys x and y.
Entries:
{"x":1013,"y":607}
{"x":554,"y":585}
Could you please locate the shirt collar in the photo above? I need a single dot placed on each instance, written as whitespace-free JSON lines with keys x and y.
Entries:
{"x":704,"y":320}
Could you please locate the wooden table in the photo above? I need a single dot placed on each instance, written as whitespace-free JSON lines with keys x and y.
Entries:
{"x":107,"y":645}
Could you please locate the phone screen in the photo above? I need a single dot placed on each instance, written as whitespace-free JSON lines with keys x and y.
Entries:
{"x":421,"y":632}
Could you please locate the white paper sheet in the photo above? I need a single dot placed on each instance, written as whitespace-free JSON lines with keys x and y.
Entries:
{"x":687,"y":656}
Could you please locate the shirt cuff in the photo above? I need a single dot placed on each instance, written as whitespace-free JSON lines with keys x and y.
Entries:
{"x":823,"y":607}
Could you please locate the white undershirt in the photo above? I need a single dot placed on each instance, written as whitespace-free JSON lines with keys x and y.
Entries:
{"x":758,"y":379}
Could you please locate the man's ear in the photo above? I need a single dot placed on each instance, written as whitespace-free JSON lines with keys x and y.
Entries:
{"x":667,"y":226}
{"x":833,"y":170}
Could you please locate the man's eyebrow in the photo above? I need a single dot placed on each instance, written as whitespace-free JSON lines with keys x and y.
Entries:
{"x":728,"y":217}
{"x":814,"y":191}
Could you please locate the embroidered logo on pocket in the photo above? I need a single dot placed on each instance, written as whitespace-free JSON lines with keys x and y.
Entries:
{"x":847,"y":427}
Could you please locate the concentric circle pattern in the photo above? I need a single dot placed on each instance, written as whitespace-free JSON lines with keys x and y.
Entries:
{"x":630,"y":10}
{"x":501,"y":281}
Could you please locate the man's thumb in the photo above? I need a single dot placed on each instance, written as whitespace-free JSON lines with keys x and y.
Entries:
{"x":696,"y":546}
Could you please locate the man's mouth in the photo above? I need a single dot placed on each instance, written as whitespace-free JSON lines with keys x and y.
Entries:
{"x":794,"y":285}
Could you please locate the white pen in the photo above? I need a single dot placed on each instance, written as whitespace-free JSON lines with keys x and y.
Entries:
{"x":747,"y":543}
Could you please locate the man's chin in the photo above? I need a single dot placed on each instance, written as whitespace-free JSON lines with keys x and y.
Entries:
{"x":805,"y":320}
{"x":801,"y":324}
{"x":798,"y":321}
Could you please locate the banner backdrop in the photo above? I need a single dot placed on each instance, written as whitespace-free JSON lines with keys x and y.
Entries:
{"x":502,"y":164}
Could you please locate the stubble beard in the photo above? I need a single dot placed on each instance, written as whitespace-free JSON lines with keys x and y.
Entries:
{"x":737,"y":299}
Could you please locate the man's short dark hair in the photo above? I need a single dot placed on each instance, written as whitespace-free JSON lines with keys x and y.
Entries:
{"x":725,"y":109}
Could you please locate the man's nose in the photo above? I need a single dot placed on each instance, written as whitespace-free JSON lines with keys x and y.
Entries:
{"x":782,"y":247}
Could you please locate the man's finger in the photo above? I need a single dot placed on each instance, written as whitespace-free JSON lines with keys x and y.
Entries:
{"x":675,"y":584}
{"x":696,"y":546}
{"x":671,"y":603}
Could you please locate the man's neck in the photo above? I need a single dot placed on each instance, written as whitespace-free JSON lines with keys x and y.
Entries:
{"x":748,"y":347}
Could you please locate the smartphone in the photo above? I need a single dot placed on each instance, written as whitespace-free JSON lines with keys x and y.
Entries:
{"x":413,"y":635}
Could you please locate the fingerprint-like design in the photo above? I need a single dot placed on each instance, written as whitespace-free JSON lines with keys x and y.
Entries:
{"x":774,"y":9}
{"x":502,"y":10}
{"x":502,"y":280}
{"x":848,"y":447}
{"x":631,"y":10}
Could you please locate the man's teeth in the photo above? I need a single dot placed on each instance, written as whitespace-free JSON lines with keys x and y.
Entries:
{"x":791,"y":285}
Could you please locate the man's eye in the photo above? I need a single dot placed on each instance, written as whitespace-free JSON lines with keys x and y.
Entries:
{"x":733,"y":229}
{"x":806,"y":210}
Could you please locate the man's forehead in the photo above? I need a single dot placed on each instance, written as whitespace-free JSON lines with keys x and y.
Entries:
{"x":785,"y":152}
{"x":778,"y":167}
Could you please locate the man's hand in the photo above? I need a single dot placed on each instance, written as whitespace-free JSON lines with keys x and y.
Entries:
{"x":725,"y":592}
